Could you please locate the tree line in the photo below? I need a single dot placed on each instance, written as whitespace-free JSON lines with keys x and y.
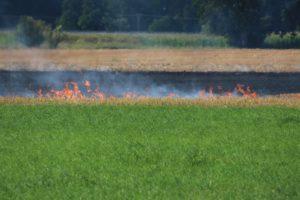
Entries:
{"x":245,"y":22}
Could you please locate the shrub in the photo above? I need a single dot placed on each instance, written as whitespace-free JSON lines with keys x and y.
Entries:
{"x":53,"y":38}
{"x":288,"y":40}
{"x":33,"y":32}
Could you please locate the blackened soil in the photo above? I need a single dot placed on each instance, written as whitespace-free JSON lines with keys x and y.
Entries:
{"x":156,"y":84}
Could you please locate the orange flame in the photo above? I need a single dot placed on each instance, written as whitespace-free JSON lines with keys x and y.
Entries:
{"x":87,"y":85}
{"x":72,"y":93}
{"x":72,"y":90}
{"x":248,"y":92}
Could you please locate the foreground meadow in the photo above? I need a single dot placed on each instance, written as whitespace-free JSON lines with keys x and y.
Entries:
{"x":80,"y":151}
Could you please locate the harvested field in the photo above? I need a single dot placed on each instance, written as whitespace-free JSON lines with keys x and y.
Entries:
{"x":202,"y":60}
{"x":285,"y":100}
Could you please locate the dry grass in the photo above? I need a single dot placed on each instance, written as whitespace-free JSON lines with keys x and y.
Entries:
{"x":284,"y":100}
{"x":153,"y":60}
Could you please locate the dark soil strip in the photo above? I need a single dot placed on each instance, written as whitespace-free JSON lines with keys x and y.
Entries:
{"x":155,"y":84}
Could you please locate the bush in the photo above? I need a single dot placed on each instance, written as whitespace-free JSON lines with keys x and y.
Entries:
{"x":33,"y":33}
{"x":288,"y":40}
{"x":53,"y":38}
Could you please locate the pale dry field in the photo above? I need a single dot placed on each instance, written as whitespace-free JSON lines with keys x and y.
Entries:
{"x":202,"y":60}
{"x":292,"y":101}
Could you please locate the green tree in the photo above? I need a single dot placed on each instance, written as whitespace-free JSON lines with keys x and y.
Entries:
{"x":71,"y":10}
{"x":238,"y":19}
{"x":274,"y":15}
{"x":178,"y":15}
{"x":91,"y":16}
{"x":32,"y":32}
{"x":46,"y":10}
{"x":247,"y":22}
{"x":115,"y":18}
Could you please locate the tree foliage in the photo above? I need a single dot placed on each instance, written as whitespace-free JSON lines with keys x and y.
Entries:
{"x":33,"y":33}
{"x":70,"y":14}
{"x":245,"y":22}
{"x":91,"y":15}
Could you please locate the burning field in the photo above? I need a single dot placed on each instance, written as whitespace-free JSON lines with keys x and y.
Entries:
{"x":149,"y":73}
{"x":197,"y":124}
{"x":105,"y":85}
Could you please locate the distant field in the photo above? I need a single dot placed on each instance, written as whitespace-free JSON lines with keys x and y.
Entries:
{"x":140,"y":40}
{"x":193,"y":60}
{"x":90,"y":40}
{"x":101,"y":40}
{"x":64,"y":151}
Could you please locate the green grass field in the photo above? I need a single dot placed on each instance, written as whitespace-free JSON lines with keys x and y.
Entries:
{"x":125,"y":40}
{"x":141,"y":40}
{"x":8,"y":40}
{"x":100,"y":40}
{"x":148,"y":152}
